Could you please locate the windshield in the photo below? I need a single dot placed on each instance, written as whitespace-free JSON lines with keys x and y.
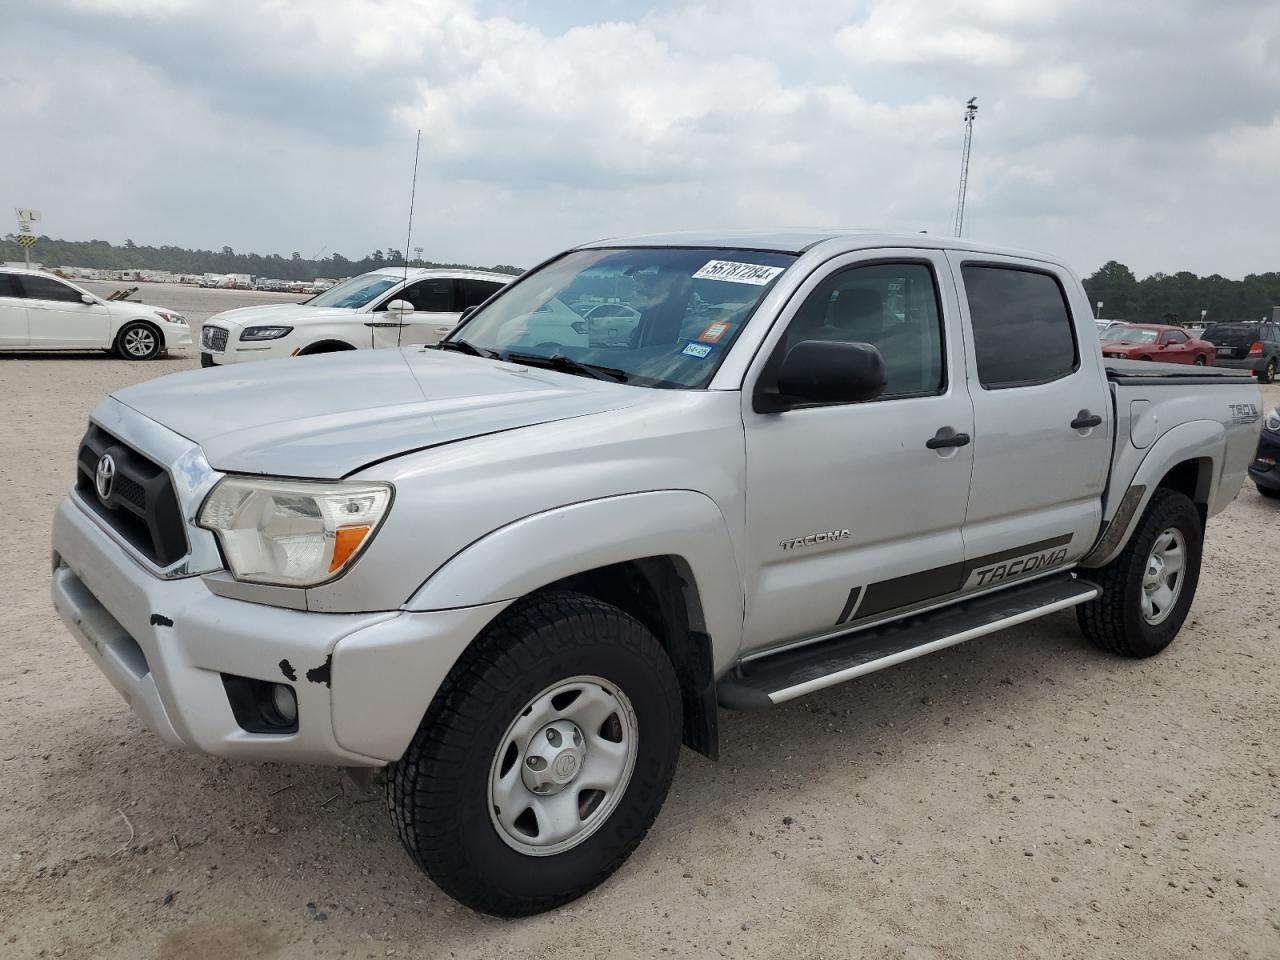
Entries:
{"x":672,"y":313}
{"x":1132,"y":334}
{"x":1230,"y":335}
{"x":354,"y":293}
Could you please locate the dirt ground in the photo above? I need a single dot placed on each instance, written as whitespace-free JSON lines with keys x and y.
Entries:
{"x":1022,"y":795}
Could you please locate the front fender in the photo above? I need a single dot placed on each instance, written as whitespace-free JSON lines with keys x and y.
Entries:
{"x":537,"y":550}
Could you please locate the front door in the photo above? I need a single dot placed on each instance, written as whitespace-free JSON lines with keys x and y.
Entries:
{"x":855,"y":510}
{"x":1173,"y":348}
{"x":1042,"y":419}
{"x":434,"y":314}
{"x":58,"y":318}
{"x":13,"y":313}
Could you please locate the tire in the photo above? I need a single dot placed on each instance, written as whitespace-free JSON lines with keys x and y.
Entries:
{"x":1271,"y":493}
{"x":1200,"y":361}
{"x":1116,"y":620}
{"x":138,"y":340}
{"x":445,"y":793}
{"x":1268,"y":374}
{"x":1147,"y":359}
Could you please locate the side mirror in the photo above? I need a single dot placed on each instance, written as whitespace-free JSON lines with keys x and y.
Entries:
{"x":401,"y":308}
{"x":467,"y":312}
{"x":85,"y":298}
{"x":828,"y":371}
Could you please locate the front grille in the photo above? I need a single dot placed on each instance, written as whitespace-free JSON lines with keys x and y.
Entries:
{"x":141,"y":505}
{"x":213,"y":338}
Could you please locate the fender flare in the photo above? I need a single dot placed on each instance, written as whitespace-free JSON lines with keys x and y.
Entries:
{"x":1193,"y":440}
{"x":530,"y":553}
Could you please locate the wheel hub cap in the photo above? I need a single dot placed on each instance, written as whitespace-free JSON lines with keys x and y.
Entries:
{"x":1162,"y":579}
{"x":562,"y":766}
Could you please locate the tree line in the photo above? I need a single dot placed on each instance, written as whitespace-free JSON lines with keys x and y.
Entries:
{"x":102,"y":255}
{"x":1179,"y":297}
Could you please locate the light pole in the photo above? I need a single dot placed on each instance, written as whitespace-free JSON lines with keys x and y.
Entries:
{"x":970,"y":111}
{"x":418,"y":251}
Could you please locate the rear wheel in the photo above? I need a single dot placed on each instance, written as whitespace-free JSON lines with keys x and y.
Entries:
{"x":1268,"y":374}
{"x":1147,"y":590}
{"x":543,"y":759}
{"x":139,"y":341}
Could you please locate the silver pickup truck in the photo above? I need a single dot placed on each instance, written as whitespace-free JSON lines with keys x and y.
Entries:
{"x":520,"y":568}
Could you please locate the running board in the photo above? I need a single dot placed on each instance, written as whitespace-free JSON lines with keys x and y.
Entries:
{"x":792,"y":673}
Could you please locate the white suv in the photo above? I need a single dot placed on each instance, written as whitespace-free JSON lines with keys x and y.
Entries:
{"x":42,"y":312}
{"x":387,"y":308}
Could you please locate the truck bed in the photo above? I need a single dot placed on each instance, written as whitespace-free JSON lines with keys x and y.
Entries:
{"x":1146,"y":372}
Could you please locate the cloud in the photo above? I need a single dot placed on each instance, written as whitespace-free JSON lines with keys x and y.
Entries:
{"x":285,"y":124}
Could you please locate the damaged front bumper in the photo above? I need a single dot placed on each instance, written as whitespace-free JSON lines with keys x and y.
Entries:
{"x":362,"y":681}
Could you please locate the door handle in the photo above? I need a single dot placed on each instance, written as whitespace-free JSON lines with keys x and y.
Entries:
{"x":941,"y":440}
{"x":1084,"y":419}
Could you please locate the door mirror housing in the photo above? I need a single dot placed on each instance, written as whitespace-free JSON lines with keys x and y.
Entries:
{"x":825,"y":371}
{"x":85,"y":298}
{"x":466,"y":313}
{"x":401,"y":308}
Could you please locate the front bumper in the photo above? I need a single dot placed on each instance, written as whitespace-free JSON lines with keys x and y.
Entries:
{"x":1265,"y":468}
{"x":362,"y":681}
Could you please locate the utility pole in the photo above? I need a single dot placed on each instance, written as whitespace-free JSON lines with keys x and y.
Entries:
{"x":970,"y":111}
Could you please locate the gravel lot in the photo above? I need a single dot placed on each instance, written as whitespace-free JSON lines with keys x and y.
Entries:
{"x":1018,"y":796}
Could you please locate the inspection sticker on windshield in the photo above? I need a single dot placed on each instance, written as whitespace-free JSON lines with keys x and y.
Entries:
{"x":714,"y":332}
{"x":699,"y":350}
{"x":733,"y":272}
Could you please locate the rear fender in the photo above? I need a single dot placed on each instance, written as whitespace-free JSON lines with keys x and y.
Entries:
{"x":1194,"y":440}
{"x":530,"y":553}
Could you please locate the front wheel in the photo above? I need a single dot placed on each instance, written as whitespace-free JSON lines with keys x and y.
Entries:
{"x":1271,"y":493}
{"x":543,"y":759}
{"x":1147,"y":590}
{"x":138,"y":341}
{"x":1200,"y":361}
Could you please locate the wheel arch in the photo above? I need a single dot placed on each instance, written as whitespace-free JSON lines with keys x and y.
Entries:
{"x":664,"y":557}
{"x":328,"y":345}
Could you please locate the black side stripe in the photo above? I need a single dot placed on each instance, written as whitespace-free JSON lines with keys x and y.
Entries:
{"x":914,"y":588}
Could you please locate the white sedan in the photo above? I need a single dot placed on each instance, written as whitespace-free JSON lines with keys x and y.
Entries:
{"x":378,"y":309}
{"x":39,"y":311}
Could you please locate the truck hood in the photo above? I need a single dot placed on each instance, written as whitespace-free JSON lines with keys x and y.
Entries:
{"x":286,"y":313}
{"x":327,"y":416}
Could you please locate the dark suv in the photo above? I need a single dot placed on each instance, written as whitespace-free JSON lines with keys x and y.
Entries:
{"x":1265,"y":469}
{"x":1247,"y":345}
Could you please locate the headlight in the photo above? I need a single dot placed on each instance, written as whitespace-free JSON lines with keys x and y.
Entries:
{"x":292,"y":532}
{"x":265,"y":333}
{"x":1272,"y":422}
{"x":170,"y":317}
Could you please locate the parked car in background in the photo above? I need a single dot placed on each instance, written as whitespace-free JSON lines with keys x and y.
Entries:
{"x":1247,"y":345}
{"x":43,"y":312}
{"x":611,"y":324}
{"x":1103,"y":324}
{"x":376,"y":309}
{"x":1265,"y":469}
{"x":1153,"y":341}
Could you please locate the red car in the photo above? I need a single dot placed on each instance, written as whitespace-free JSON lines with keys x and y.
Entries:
{"x":1153,"y":341}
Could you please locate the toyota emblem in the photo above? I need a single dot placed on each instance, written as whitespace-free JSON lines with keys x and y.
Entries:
{"x":104,"y":477}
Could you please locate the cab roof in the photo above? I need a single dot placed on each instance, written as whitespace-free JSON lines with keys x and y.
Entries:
{"x":799,"y":241}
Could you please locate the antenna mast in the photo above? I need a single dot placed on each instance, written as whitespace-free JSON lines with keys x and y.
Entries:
{"x":413,"y":192}
{"x":970,"y":111}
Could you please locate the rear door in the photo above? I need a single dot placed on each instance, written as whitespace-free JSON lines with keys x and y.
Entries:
{"x":852,"y":513}
{"x":1042,"y":419}
{"x":58,"y":318}
{"x":13,"y":313}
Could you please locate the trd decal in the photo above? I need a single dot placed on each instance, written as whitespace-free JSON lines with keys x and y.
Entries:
{"x":1243,"y":412}
{"x":913,"y":588}
{"x":826,"y":536}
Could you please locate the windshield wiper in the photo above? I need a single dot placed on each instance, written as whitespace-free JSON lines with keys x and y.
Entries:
{"x":565,"y":364}
{"x":461,"y":346}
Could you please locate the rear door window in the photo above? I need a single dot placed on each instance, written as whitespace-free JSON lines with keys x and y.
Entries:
{"x":8,"y":287}
{"x":1022,"y":328}
{"x":476,"y":292}
{"x":427,"y":296}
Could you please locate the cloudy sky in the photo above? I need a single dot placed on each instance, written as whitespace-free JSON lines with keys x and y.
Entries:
{"x":1146,"y":131}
